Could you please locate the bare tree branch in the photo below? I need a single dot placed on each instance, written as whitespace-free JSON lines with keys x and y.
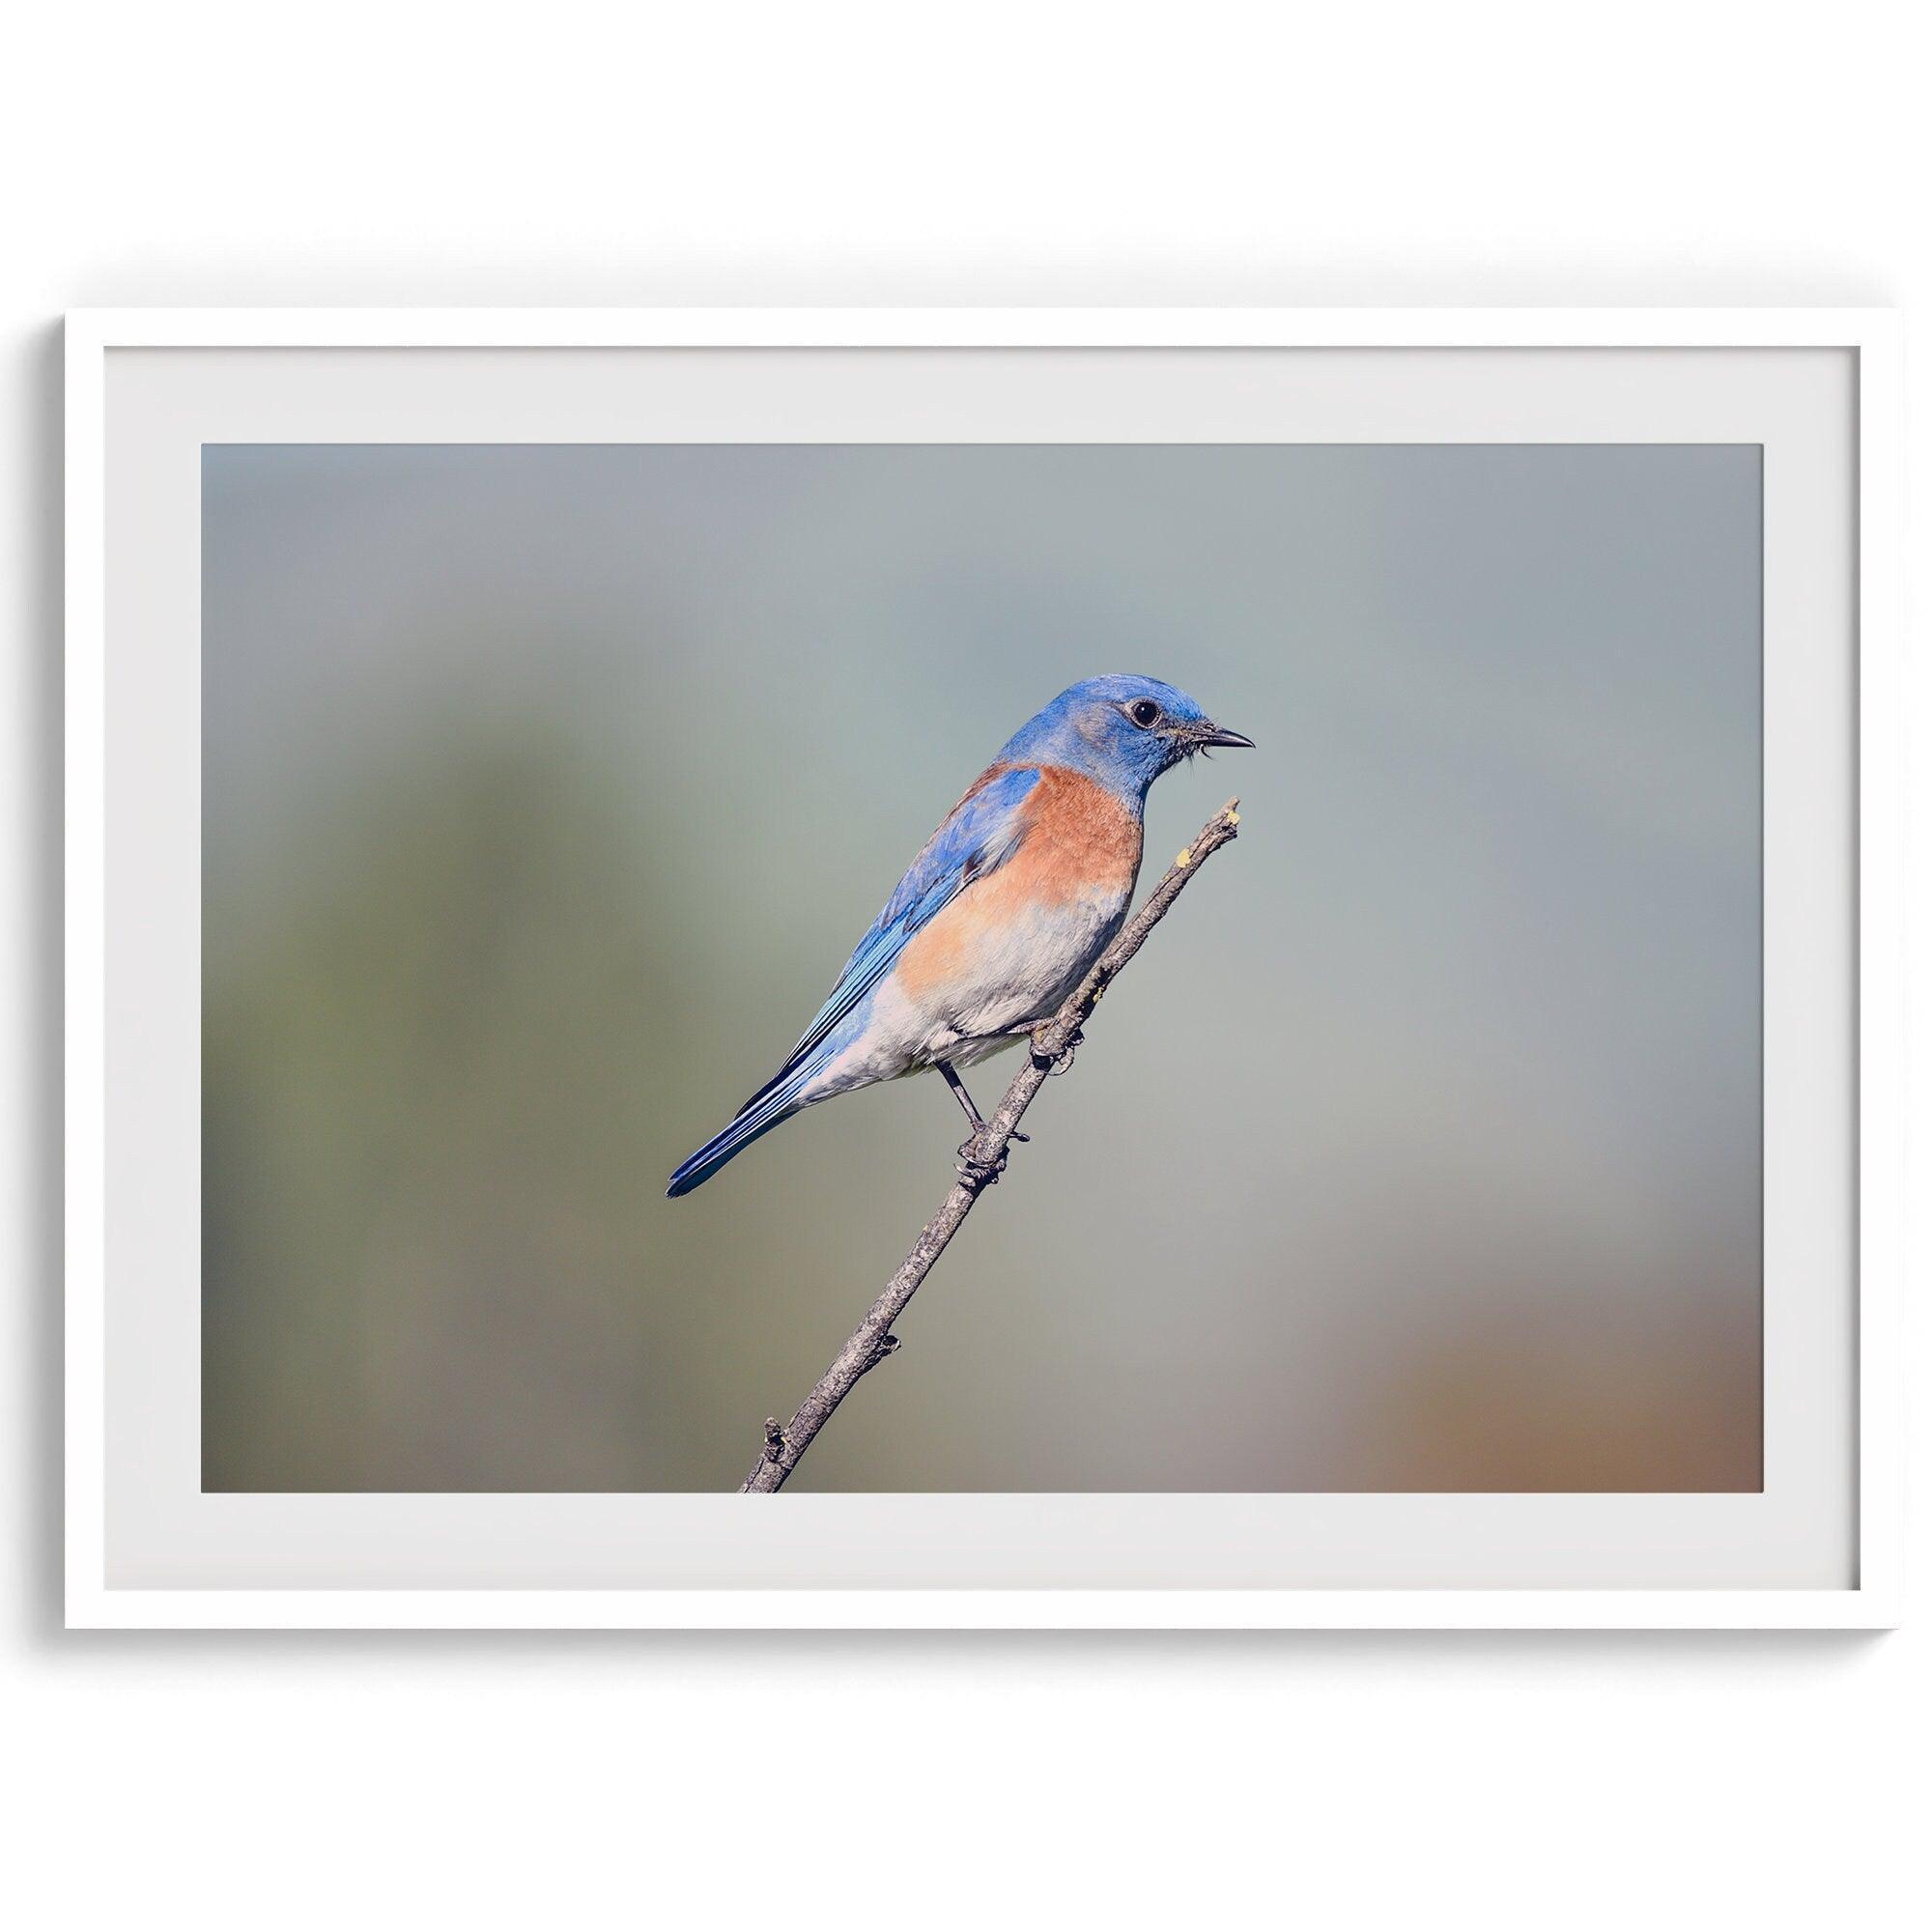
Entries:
{"x":1050,"y":1049}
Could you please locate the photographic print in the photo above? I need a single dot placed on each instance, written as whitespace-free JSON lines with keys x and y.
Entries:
{"x":556,"y":798}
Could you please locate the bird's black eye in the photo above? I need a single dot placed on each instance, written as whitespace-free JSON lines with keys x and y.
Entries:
{"x":1143,"y":711}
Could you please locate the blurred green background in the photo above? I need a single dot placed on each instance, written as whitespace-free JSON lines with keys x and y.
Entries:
{"x":547,"y":789}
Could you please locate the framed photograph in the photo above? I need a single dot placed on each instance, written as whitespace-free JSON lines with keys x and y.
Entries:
{"x":1463,"y":749}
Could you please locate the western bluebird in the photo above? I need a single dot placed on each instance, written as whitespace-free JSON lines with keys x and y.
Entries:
{"x":999,"y":918}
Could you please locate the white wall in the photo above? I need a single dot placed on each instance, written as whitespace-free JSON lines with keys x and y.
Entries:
{"x":357,"y":153}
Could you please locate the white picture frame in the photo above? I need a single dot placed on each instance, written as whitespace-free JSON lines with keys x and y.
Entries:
{"x":1871,"y":1597}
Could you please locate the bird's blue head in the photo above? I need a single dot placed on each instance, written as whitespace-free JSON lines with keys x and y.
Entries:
{"x":1125,"y":731}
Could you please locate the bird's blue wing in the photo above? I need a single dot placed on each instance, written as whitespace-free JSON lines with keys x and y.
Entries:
{"x":980,"y":834}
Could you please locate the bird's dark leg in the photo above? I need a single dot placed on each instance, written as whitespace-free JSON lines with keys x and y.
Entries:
{"x":965,"y":1099}
{"x":969,"y":1148}
{"x":960,"y":1093}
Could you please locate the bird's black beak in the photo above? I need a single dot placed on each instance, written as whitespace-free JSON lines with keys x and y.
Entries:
{"x":1206,"y":734}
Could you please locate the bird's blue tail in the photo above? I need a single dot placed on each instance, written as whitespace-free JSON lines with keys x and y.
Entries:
{"x":772,"y":1107}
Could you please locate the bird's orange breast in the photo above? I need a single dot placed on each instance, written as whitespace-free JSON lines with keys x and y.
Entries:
{"x":1080,"y":840}
{"x":1079,"y":843}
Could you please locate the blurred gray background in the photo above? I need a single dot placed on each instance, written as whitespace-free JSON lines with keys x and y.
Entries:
{"x":547,"y":789}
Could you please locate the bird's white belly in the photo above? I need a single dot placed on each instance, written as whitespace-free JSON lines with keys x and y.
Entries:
{"x":1009,"y":977}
